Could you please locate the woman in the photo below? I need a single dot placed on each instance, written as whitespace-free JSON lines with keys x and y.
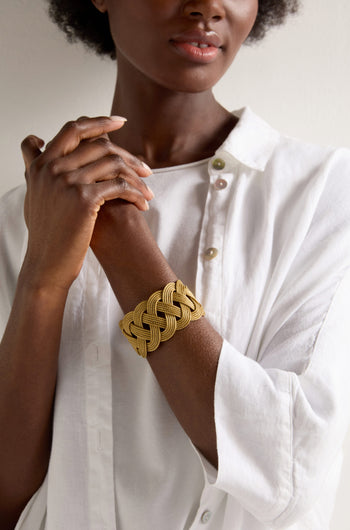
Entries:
{"x":235,"y":421}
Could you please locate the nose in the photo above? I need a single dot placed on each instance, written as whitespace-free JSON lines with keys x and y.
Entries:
{"x":204,"y":9}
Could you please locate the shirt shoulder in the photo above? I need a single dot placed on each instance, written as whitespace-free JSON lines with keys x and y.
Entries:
{"x":322,"y":171}
{"x":261,"y":151}
{"x":306,"y":157}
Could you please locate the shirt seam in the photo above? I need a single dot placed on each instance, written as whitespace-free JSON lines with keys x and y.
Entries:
{"x":323,"y":320}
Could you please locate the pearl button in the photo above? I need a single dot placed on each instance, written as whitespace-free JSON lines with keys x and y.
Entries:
{"x":218,"y":163}
{"x":220,"y":184}
{"x":211,"y":253}
{"x":205,"y":516}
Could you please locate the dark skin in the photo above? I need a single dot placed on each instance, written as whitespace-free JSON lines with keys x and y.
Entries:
{"x":86,"y":188}
{"x":157,"y":86}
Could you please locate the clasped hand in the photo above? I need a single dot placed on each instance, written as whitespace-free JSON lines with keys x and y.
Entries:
{"x":67,"y":184}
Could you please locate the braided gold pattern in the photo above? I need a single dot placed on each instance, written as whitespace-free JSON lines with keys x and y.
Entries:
{"x":155,"y":320}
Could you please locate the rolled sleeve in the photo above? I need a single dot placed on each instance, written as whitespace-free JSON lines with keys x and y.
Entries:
{"x":278,"y":432}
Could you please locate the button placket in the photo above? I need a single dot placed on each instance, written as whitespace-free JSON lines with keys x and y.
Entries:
{"x":209,"y":268}
{"x":210,"y":252}
{"x":210,"y":502}
{"x":98,"y":399}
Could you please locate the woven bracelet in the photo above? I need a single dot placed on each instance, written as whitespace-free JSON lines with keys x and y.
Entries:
{"x":155,"y":320}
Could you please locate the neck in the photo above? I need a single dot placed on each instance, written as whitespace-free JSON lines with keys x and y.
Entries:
{"x":167,"y":128}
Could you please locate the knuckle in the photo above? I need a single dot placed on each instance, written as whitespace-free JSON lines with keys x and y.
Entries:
{"x":85,"y":197}
{"x":122,"y":184}
{"x":82,"y":194}
{"x":116,"y":160}
{"x":68,"y":178}
{"x":104,"y":143}
{"x":53,"y":167}
{"x":71,"y":126}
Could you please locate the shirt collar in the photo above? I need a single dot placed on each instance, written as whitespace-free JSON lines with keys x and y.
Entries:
{"x":251,"y":142}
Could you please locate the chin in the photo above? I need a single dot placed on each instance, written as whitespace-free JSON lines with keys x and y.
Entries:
{"x":193,"y":82}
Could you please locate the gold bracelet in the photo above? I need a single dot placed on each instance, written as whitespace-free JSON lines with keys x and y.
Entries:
{"x":155,"y":320}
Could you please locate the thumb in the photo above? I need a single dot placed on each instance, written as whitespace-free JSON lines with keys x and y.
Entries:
{"x":30,"y":147}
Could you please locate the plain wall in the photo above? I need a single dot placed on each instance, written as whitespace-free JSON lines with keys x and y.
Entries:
{"x":298,"y":79}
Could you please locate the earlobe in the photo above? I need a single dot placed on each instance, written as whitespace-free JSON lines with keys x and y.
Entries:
{"x":101,"y":5}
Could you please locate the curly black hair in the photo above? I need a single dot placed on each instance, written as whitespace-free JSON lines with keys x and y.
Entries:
{"x":80,"y":20}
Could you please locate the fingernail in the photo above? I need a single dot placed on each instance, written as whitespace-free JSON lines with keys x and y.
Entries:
{"x":151,"y":192}
{"x":118,"y":118}
{"x":146,"y":205}
{"x":146,"y":167}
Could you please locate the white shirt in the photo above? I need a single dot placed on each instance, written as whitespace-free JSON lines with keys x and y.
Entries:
{"x":263,"y":239}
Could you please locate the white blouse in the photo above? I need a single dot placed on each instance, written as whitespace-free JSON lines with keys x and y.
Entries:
{"x":262,"y":237}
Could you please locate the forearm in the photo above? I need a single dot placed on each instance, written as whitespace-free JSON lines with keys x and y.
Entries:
{"x":28,"y":370}
{"x":184,"y":366}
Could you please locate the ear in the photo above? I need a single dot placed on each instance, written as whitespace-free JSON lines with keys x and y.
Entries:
{"x":101,"y":5}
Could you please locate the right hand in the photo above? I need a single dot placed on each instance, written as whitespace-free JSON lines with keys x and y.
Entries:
{"x":67,"y":184}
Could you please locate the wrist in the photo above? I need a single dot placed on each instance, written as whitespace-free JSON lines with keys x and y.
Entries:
{"x":157,"y":319}
{"x":116,"y":221}
{"x":32,"y":283}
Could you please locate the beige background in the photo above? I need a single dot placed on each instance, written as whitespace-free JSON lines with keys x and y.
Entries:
{"x":298,"y":79}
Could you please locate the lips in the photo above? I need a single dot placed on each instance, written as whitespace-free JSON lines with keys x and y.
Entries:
{"x":210,"y":38}
{"x":198,"y":46}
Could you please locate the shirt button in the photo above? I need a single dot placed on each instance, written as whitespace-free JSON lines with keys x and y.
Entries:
{"x":205,"y":516}
{"x":220,"y":184}
{"x":210,"y":253}
{"x":218,"y":163}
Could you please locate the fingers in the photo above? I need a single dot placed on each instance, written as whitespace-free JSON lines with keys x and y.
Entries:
{"x":109,"y":168}
{"x":30,"y":147}
{"x":74,"y":132}
{"x":81,"y":156}
{"x":140,"y":167}
{"x":118,"y":188}
{"x":91,"y":150}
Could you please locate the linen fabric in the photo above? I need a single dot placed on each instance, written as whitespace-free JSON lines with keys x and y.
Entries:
{"x":263,"y":241}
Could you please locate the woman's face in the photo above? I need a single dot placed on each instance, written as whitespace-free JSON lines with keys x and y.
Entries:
{"x":183,"y":45}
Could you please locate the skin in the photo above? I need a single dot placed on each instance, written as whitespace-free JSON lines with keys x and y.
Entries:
{"x":156,"y":85}
{"x":86,"y":188}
